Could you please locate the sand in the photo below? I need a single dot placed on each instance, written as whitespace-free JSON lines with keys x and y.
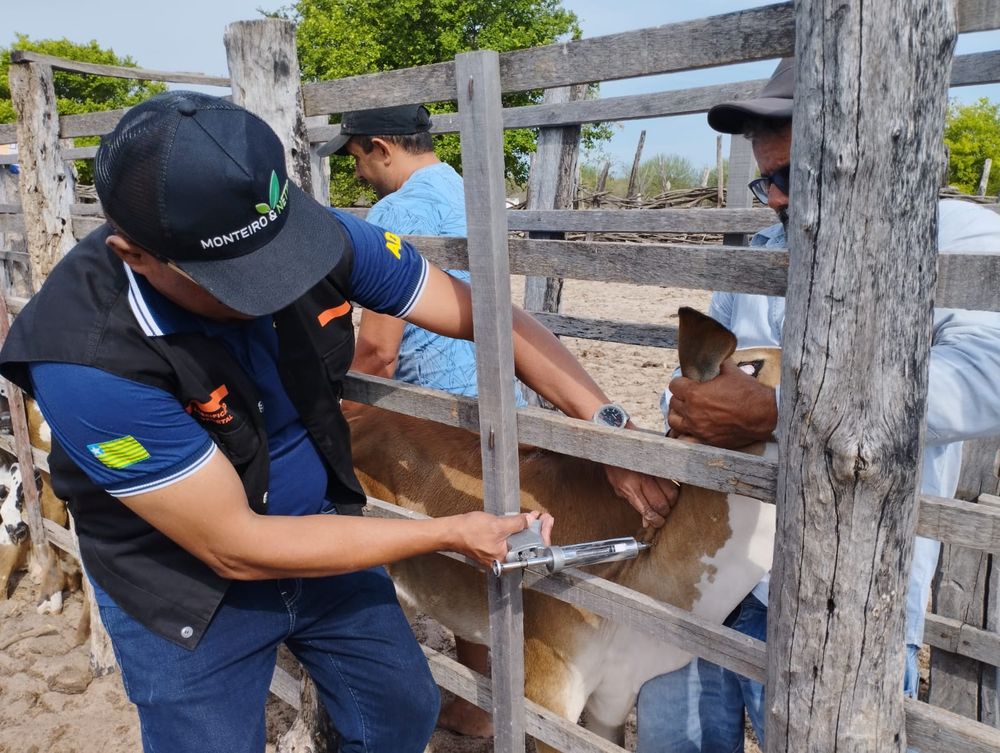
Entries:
{"x":49,"y":702}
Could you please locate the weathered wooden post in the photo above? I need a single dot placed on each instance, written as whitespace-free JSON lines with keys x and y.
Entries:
{"x":46,"y":183}
{"x":741,"y":170}
{"x":964,"y":590}
{"x":867,"y":133}
{"x":551,"y":185}
{"x":477,"y":78}
{"x":264,"y":74}
{"x":632,"y":193}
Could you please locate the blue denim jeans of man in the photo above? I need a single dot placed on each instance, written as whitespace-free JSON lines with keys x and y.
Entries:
{"x":700,"y":708}
{"x":349,"y":633}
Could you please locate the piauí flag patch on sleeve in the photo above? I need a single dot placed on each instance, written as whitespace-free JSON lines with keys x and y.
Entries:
{"x":119,"y":453}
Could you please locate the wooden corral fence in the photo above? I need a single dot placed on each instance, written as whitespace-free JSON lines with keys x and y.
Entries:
{"x":851,"y":701}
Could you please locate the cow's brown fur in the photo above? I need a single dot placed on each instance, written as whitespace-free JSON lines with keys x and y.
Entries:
{"x":436,"y":470}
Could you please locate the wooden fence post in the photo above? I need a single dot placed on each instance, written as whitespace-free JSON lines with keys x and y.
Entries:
{"x":741,"y":170}
{"x":854,"y":384}
{"x":16,"y":275}
{"x":962,"y":591}
{"x":319,"y":166}
{"x":477,"y":79}
{"x":264,"y":74}
{"x":46,"y":180}
{"x":551,"y":185}
{"x":633,"y":191}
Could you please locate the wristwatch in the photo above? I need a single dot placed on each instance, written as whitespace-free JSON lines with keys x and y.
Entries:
{"x":611,"y":414}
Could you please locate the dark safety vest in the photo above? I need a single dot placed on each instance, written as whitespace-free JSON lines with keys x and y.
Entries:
{"x":82,"y":316}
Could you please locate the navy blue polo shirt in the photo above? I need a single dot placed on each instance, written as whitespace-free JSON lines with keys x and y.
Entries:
{"x":131,"y":438}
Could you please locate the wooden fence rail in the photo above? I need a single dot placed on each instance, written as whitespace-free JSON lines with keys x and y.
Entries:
{"x":476,"y":80}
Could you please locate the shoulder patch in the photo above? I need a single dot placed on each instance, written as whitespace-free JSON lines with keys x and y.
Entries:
{"x":119,"y":453}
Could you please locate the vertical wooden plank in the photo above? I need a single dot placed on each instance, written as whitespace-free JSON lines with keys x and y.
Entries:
{"x":264,"y":75}
{"x":551,"y":185}
{"x":961,"y":591}
{"x":877,"y":77}
{"x":989,"y":703}
{"x":11,"y":241}
{"x":264,"y":71}
{"x":46,"y":180}
{"x":742,"y":168}
{"x":477,"y":76}
{"x":319,"y":166}
{"x":22,"y":444}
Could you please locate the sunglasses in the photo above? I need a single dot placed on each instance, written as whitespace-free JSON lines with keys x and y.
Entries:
{"x":762,"y":185}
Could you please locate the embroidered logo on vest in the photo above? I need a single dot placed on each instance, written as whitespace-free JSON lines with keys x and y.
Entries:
{"x":213,"y":409}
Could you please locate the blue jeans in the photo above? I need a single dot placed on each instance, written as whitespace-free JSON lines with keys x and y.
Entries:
{"x":349,"y":633}
{"x":699,"y":708}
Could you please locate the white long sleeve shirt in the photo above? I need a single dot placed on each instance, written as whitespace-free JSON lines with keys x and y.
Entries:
{"x":963,"y":400}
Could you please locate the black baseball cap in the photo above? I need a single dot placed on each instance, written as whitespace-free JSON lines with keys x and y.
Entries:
{"x":774,"y":102}
{"x":400,"y":120}
{"x":201,"y":182}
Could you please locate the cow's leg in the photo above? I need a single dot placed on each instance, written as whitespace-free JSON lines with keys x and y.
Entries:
{"x":459,"y":715}
{"x":553,"y":683}
{"x":51,"y":591}
{"x":11,"y":558}
{"x":606,"y":713}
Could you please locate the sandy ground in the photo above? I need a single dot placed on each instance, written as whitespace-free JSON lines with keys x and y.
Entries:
{"x":49,"y":702}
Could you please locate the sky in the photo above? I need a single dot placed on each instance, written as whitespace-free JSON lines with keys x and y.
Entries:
{"x":186,"y":35}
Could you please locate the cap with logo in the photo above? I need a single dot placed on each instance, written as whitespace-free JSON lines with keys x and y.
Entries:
{"x":400,"y":120}
{"x":201,"y":182}
{"x":774,"y":102}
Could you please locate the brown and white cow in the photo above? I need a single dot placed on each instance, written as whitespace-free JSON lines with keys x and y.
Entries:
{"x":61,"y":573}
{"x":709,"y":555}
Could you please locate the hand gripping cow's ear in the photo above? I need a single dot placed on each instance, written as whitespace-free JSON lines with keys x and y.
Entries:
{"x":702,"y":344}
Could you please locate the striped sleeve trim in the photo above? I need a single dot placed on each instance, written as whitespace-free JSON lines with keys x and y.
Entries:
{"x":418,"y":290}
{"x":162,"y":483}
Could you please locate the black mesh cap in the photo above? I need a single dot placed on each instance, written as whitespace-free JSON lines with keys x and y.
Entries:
{"x":201,"y":182}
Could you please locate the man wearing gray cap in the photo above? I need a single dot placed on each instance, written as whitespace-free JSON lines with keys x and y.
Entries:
{"x":701,"y":707}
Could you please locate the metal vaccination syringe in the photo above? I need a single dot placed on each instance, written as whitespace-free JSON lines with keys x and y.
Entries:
{"x":526,"y":548}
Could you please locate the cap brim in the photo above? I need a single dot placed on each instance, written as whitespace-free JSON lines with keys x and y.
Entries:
{"x":335,"y":146}
{"x":730,"y":117}
{"x":308,"y":246}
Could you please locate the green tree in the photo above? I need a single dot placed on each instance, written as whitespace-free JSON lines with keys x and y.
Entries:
{"x":972,"y":133}
{"x":338,"y":38}
{"x":665,"y":172}
{"x":78,"y":92}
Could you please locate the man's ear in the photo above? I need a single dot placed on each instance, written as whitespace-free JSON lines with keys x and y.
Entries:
{"x":137,"y":258}
{"x":383,"y":149}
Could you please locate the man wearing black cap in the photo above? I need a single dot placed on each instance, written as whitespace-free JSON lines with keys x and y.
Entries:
{"x":188,"y":356}
{"x":418,"y":195}
{"x":701,"y":707}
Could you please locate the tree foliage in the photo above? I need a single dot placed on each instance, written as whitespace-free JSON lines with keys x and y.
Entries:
{"x":972,"y":133}
{"x":78,"y":92}
{"x":338,"y":38}
{"x":657,"y":175}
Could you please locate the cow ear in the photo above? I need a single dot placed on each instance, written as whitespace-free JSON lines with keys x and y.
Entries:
{"x":702,"y":344}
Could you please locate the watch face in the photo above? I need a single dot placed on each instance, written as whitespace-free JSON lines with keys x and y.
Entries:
{"x":611,"y":415}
